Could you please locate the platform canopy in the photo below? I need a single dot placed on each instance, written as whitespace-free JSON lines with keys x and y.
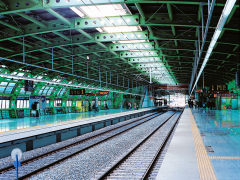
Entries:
{"x":121,"y":40}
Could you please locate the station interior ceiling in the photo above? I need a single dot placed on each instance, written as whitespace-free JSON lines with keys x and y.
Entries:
{"x":76,"y":40}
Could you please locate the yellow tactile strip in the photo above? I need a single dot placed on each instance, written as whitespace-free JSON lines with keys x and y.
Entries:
{"x":204,"y":164}
{"x":223,"y":157}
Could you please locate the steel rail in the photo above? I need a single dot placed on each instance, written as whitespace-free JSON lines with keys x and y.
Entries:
{"x":72,"y":144}
{"x":109,"y":170}
{"x":77,"y":152}
{"x":146,"y":174}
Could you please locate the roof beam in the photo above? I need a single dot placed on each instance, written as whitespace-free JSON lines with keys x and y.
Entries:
{"x":170,"y":11}
{"x":36,"y":5}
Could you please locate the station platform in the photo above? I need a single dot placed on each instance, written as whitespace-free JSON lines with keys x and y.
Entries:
{"x":27,"y":122}
{"x":206,"y":145}
{"x":33,"y":132}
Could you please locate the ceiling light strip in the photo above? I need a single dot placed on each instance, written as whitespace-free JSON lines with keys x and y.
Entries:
{"x":115,"y":26}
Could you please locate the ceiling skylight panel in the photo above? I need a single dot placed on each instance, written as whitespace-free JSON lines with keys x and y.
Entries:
{"x":120,"y":29}
{"x":104,"y":10}
{"x":132,"y":41}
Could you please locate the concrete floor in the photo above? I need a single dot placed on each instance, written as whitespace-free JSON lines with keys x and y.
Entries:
{"x":221,"y":131}
{"x":180,"y":161}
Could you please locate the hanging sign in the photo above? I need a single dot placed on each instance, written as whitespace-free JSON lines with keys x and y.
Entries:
{"x":28,"y":85}
{"x":138,"y":97}
{"x":218,"y":92}
{"x":151,"y":97}
{"x":90,"y":94}
{"x":218,"y":88}
{"x":77,"y":92}
{"x":128,"y":96}
{"x":229,"y":95}
{"x":103,"y":92}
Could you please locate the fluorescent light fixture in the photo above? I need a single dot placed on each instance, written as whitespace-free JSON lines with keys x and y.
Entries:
{"x":212,"y":44}
{"x":216,"y":35}
{"x":102,"y":21}
{"x":121,"y":29}
{"x":132,"y":41}
{"x":104,"y":10}
{"x":228,"y":7}
{"x":77,"y":11}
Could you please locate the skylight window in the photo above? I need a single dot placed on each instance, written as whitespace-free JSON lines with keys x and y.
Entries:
{"x":120,"y":29}
{"x":104,"y":10}
{"x":77,"y":11}
{"x":132,"y":41}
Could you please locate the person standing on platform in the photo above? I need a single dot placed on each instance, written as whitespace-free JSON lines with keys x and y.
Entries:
{"x":137,"y":106}
{"x":210,"y":105}
{"x":129,"y":106}
{"x":191,"y":104}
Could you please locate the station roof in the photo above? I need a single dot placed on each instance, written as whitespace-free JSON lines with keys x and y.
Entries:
{"x":124,"y":37}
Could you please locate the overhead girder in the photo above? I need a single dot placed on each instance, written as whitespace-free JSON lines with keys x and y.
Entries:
{"x":18,"y":6}
{"x":57,"y":25}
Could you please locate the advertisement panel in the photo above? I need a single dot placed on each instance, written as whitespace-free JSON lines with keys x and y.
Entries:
{"x":37,"y":102}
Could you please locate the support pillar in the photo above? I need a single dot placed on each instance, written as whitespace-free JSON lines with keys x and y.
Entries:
{"x":52,"y":58}
{"x":23,"y":49}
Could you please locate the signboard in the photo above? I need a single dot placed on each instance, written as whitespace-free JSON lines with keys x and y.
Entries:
{"x":229,"y":95}
{"x":218,"y":92}
{"x":90,"y":94}
{"x":103,"y":92}
{"x":151,"y":97}
{"x":28,"y":85}
{"x":218,"y":88}
{"x":77,"y":92}
{"x":138,"y":97}
{"x":37,"y":102}
{"x":199,"y":90}
{"x":128,"y":96}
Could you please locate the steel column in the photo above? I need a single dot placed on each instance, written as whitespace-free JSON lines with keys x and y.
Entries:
{"x":106,"y":78}
{"x":52,"y":57}
{"x":203,"y":79}
{"x":117,"y":79}
{"x":99,"y":76}
{"x":87,"y":69}
{"x":23,"y":50}
{"x":202,"y":20}
{"x":123,"y":81}
{"x":150,"y":75}
{"x":128,"y":83}
{"x":72,"y":64}
{"x":199,"y":45}
{"x":110,"y":77}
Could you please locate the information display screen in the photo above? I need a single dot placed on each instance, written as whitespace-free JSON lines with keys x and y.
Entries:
{"x":138,"y":97}
{"x":218,"y":88}
{"x":77,"y":92}
{"x":128,"y":96}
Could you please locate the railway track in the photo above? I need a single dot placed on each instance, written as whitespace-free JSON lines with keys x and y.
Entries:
{"x":138,"y":162}
{"x":31,"y":166}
